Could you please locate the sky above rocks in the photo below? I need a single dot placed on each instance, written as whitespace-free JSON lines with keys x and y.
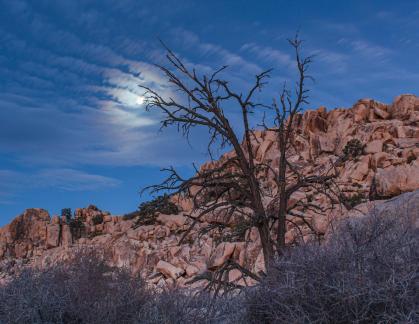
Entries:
{"x":73,"y":128}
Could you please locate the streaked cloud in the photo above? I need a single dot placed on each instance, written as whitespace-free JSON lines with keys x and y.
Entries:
{"x":70,"y":71}
{"x":269,"y":54}
{"x":367,"y":48}
{"x":13,"y":183}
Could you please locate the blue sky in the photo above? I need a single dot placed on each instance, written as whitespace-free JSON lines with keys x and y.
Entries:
{"x":73,"y":129}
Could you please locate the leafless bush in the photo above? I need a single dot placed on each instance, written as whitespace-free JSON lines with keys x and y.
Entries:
{"x":84,"y":290}
{"x":368,"y":272}
{"x":183,"y":307}
{"x":87,"y":290}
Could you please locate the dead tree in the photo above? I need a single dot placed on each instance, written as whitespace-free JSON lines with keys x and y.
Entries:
{"x":285,"y":114}
{"x":233,"y":188}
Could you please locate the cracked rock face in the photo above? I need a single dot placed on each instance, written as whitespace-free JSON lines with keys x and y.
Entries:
{"x":388,"y":167}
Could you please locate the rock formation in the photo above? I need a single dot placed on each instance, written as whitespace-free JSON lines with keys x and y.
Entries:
{"x":387,"y":166}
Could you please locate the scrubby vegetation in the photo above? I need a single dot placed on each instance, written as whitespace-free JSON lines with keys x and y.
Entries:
{"x":87,"y":290}
{"x":354,"y":200}
{"x":66,"y":212}
{"x":353,"y":148}
{"x":76,"y":227}
{"x":98,"y":219}
{"x":147,"y":211}
{"x":411,"y":158}
{"x":367,"y":272}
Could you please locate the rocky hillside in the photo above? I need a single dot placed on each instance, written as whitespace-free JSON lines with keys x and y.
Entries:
{"x":386,"y":166}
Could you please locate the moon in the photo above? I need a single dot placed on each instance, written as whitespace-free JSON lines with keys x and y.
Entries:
{"x":140,"y":100}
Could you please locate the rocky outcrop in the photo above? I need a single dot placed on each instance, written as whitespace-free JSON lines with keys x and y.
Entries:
{"x":25,"y":234}
{"x":167,"y":253}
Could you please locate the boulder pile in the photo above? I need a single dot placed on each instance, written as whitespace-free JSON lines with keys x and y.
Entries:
{"x":166,"y":252}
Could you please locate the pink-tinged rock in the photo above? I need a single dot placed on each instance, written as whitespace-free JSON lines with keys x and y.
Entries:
{"x":161,"y":283}
{"x":406,"y":142}
{"x":222,"y":253}
{"x":161,"y":232}
{"x":206,"y":249}
{"x":174,"y":250}
{"x":201,"y":264}
{"x":375,"y":146}
{"x":263,"y":148}
{"x":327,"y":143}
{"x":101,"y":240}
{"x":295,"y":198}
{"x":21,"y":249}
{"x":185,"y":252}
{"x":360,"y":169}
{"x":116,"y":219}
{"x":124,"y":250}
{"x":53,"y":235}
{"x":191,"y":270}
{"x":83,"y":241}
{"x":179,"y":263}
{"x":154,"y":278}
{"x":55,"y":220}
{"x":361,"y":112}
{"x":271,"y":136}
{"x":99,"y":227}
{"x":111,"y":228}
{"x":107,"y":218}
{"x":259,"y":266}
{"x":314,"y":123}
{"x":170,"y":220}
{"x":321,"y":223}
{"x":3,"y":248}
{"x":322,"y":110}
{"x":407,"y":131}
{"x":254,"y":234}
{"x":126,"y":225}
{"x":381,"y":160}
{"x":169,"y":270}
{"x":381,"y":113}
{"x":133,"y":234}
{"x":66,"y":237}
{"x":404,"y":106}
{"x":234,"y":275}
{"x":394,"y":180}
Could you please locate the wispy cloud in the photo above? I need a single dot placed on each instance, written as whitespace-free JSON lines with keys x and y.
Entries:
{"x":72,"y":180}
{"x":268,"y":54}
{"x":218,"y":54}
{"x":366,"y":48}
{"x":333,"y":62}
{"x":70,"y":75}
{"x":14,"y":183}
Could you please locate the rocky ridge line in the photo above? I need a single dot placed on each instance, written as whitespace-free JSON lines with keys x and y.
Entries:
{"x":388,"y":166}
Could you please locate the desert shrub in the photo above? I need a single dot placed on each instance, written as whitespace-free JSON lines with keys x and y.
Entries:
{"x":177,"y":306}
{"x":367,"y":272}
{"x":87,"y":290}
{"x":97,"y":219}
{"x":131,"y":215}
{"x":93,"y":234}
{"x":147,"y":211}
{"x":84,"y":290}
{"x":76,"y":227}
{"x":410,"y":159}
{"x":66,"y":212}
{"x":354,"y":199}
{"x":353,"y":148}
